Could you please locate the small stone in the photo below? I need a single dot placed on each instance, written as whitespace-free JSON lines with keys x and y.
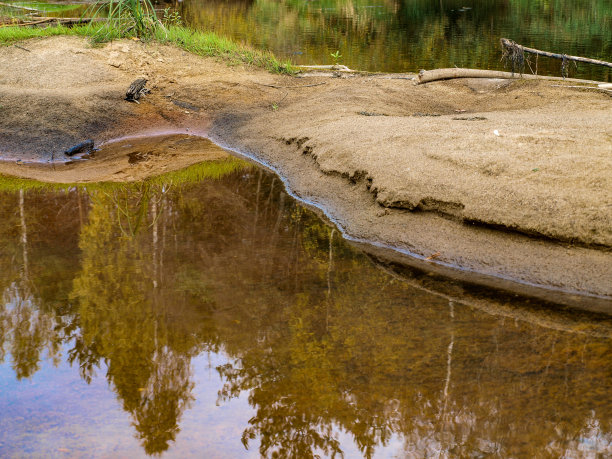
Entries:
{"x":83,"y":147}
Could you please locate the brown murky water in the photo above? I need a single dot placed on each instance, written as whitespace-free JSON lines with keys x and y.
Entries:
{"x":206,"y":313}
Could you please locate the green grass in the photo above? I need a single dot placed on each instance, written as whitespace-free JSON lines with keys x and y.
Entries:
{"x":201,"y":43}
{"x":10,"y":35}
{"x":128,"y":18}
{"x":211,"y":44}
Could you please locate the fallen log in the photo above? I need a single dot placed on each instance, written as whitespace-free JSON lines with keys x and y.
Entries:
{"x":336,"y":67}
{"x":62,"y":21}
{"x":510,"y":45}
{"x":291,"y":87}
{"x":427,"y":76}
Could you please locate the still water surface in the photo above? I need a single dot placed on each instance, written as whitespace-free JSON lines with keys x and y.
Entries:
{"x":402,"y":35}
{"x":206,"y":313}
{"x":409,"y":35}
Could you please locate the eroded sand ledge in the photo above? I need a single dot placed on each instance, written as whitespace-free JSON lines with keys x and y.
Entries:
{"x":414,"y":167}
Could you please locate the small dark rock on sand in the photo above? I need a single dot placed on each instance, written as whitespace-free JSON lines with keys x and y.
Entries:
{"x":86,"y":147}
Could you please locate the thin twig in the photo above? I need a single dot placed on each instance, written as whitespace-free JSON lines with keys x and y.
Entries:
{"x":21,"y":47}
{"x":283,"y":98}
{"x":41,"y":21}
{"x":291,"y":87}
{"x":511,"y":47}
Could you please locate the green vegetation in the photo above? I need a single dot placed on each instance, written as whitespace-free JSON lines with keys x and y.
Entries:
{"x":336,"y":56}
{"x":125,"y":18}
{"x":10,"y":35}
{"x":171,"y":18}
{"x":206,"y":44}
{"x":211,"y":44}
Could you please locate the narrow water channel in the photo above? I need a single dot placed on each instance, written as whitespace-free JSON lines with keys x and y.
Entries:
{"x":206,"y":313}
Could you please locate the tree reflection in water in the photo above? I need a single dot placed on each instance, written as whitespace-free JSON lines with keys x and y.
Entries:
{"x":140,"y":279}
{"x":409,"y":35}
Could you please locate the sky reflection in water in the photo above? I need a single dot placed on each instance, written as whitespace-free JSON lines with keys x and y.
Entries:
{"x":206,"y":311}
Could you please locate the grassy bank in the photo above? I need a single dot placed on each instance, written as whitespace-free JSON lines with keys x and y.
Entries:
{"x":211,"y":44}
{"x":201,"y":43}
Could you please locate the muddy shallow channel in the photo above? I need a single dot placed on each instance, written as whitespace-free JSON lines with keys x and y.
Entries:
{"x":205,"y":312}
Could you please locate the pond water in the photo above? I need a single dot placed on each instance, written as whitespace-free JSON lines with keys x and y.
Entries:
{"x":402,"y":35}
{"x":206,"y":313}
{"x":409,"y":35}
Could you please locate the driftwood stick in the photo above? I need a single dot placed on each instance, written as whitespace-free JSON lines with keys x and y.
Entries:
{"x":336,"y":67}
{"x":291,"y":87}
{"x":40,"y":21}
{"x":21,"y":24}
{"x":74,"y":21}
{"x":21,"y":47}
{"x":510,"y":44}
{"x":427,"y":76}
{"x":62,"y":21}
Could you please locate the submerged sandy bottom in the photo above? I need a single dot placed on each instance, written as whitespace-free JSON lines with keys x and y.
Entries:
{"x":417,"y":168}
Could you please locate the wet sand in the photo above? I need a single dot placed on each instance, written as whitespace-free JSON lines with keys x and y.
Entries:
{"x":511,"y":180}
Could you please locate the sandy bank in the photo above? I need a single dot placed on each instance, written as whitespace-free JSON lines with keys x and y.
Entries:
{"x":420,"y":168}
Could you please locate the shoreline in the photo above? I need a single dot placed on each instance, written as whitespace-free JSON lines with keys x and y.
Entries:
{"x":388,"y":254}
{"x":357,"y":147}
